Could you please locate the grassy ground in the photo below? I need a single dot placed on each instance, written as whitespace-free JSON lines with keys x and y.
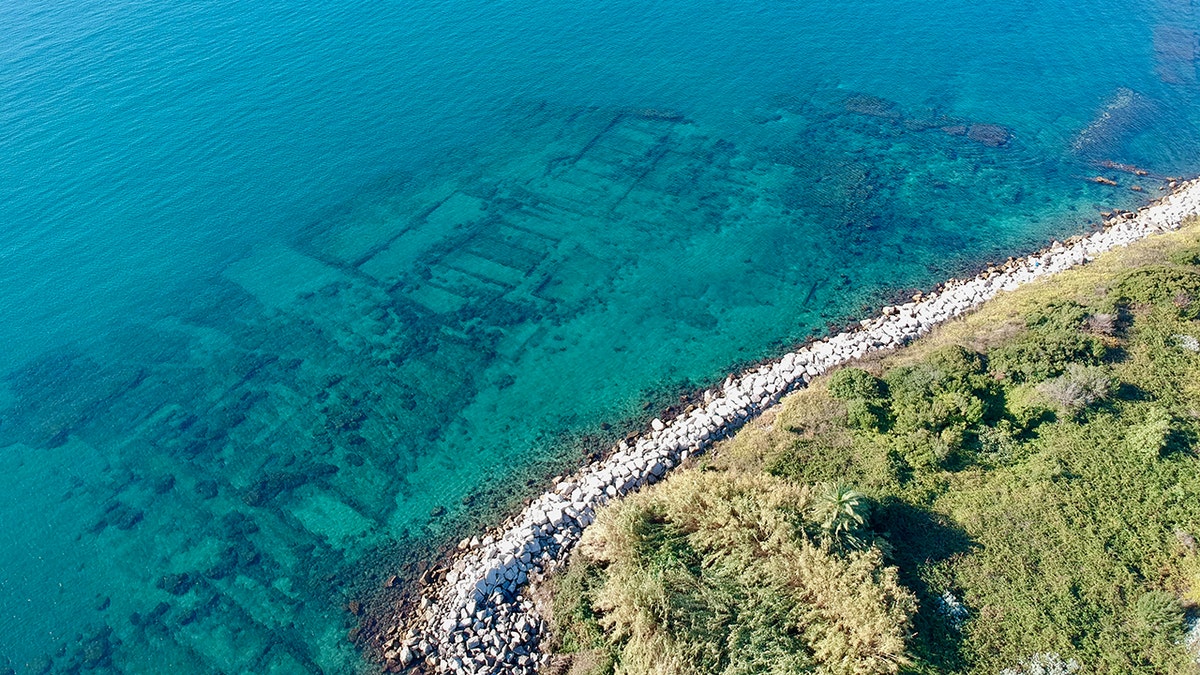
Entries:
{"x":1033,"y":465}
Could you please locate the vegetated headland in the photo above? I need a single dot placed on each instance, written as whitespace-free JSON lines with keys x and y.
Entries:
{"x":1008,"y":491}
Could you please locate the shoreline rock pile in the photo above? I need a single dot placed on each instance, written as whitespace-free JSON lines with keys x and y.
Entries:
{"x":475,"y":619}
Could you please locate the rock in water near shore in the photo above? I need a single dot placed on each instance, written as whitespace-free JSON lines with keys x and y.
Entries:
{"x":1124,"y":114}
{"x":991,"y":135}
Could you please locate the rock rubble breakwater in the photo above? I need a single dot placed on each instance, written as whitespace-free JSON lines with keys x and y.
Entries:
{"x":474,"y":618}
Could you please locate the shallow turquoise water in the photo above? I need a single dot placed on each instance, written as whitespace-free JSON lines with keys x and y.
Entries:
{"x":280,"y":283}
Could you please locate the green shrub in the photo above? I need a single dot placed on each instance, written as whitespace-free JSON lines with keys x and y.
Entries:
{"x":923,"y":449}
{"x":1057,"y":315}
{"x":1158,"y":614}
{"x":1158,"y":363}
{"x":866,"y":407}
{"x":1000,"y":442}
{"x":1026,"y":407}
{"x":1151,"y":437}
{"x":955,"y":366}
{"x":1186,"y":256}
{"x":866,"y":415}
{"x":576,"y":627}
{"x":947,"y":395}
{"x":849,"y":384}
{"x":821,"y":459}
{"x":1038,"y":355}
{"x":810,"y":460}
{"x":1160,"y":285}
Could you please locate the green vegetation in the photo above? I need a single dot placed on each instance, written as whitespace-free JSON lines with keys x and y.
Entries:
{"x":736,"y":574}
{"x":1017,"y":492}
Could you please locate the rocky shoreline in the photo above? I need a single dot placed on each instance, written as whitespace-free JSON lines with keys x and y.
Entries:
{"x":472,"y":617}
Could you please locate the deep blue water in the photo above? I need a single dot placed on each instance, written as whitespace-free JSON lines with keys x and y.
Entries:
{"x":290,"y":290}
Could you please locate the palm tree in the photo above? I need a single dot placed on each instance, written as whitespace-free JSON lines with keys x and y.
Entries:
{"x":842,"y":513}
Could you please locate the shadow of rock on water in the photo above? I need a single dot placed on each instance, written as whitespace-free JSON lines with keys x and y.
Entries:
{"x":991,"y":135}
{"x":90,"y":651}
{"x":922,"y":539}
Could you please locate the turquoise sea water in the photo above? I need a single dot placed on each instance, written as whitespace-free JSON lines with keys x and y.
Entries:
{"x":290,"y":291}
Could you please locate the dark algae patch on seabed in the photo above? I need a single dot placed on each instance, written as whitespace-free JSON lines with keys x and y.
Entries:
{"x":1028,"y":473}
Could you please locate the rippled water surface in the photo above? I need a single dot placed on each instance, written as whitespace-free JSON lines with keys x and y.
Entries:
{"x":290,"y":291}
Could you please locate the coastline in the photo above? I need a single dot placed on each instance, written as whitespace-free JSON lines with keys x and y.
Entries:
{"x":471,"y":615}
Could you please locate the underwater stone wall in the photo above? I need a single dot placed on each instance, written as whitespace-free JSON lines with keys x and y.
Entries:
{"x":474,"y":619}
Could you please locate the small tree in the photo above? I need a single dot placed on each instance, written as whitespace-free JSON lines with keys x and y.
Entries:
{"x":842,"y":514}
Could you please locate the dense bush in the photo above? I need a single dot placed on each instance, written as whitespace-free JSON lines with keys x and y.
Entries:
{"x":576,"y":620}
{"x":822,"y":459}
{"x":1057,"y":315}
{"x":1158,"y":614}
{"x":1079,"y":388}
{"x":1037,"y":355}
{"x":1160,"y":285}
{"x":1151,"y":437}
{"x":1186,"y":256}
{"x":1053,"y":338}
{"x":848,"y":384}
{"x":866,"y":404}
{"x":1000,"y":442}
{"x":712,"y":573}
{"x":938,"y":403}
{"x":1158,"y":363}
{"x":866,"y":414}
